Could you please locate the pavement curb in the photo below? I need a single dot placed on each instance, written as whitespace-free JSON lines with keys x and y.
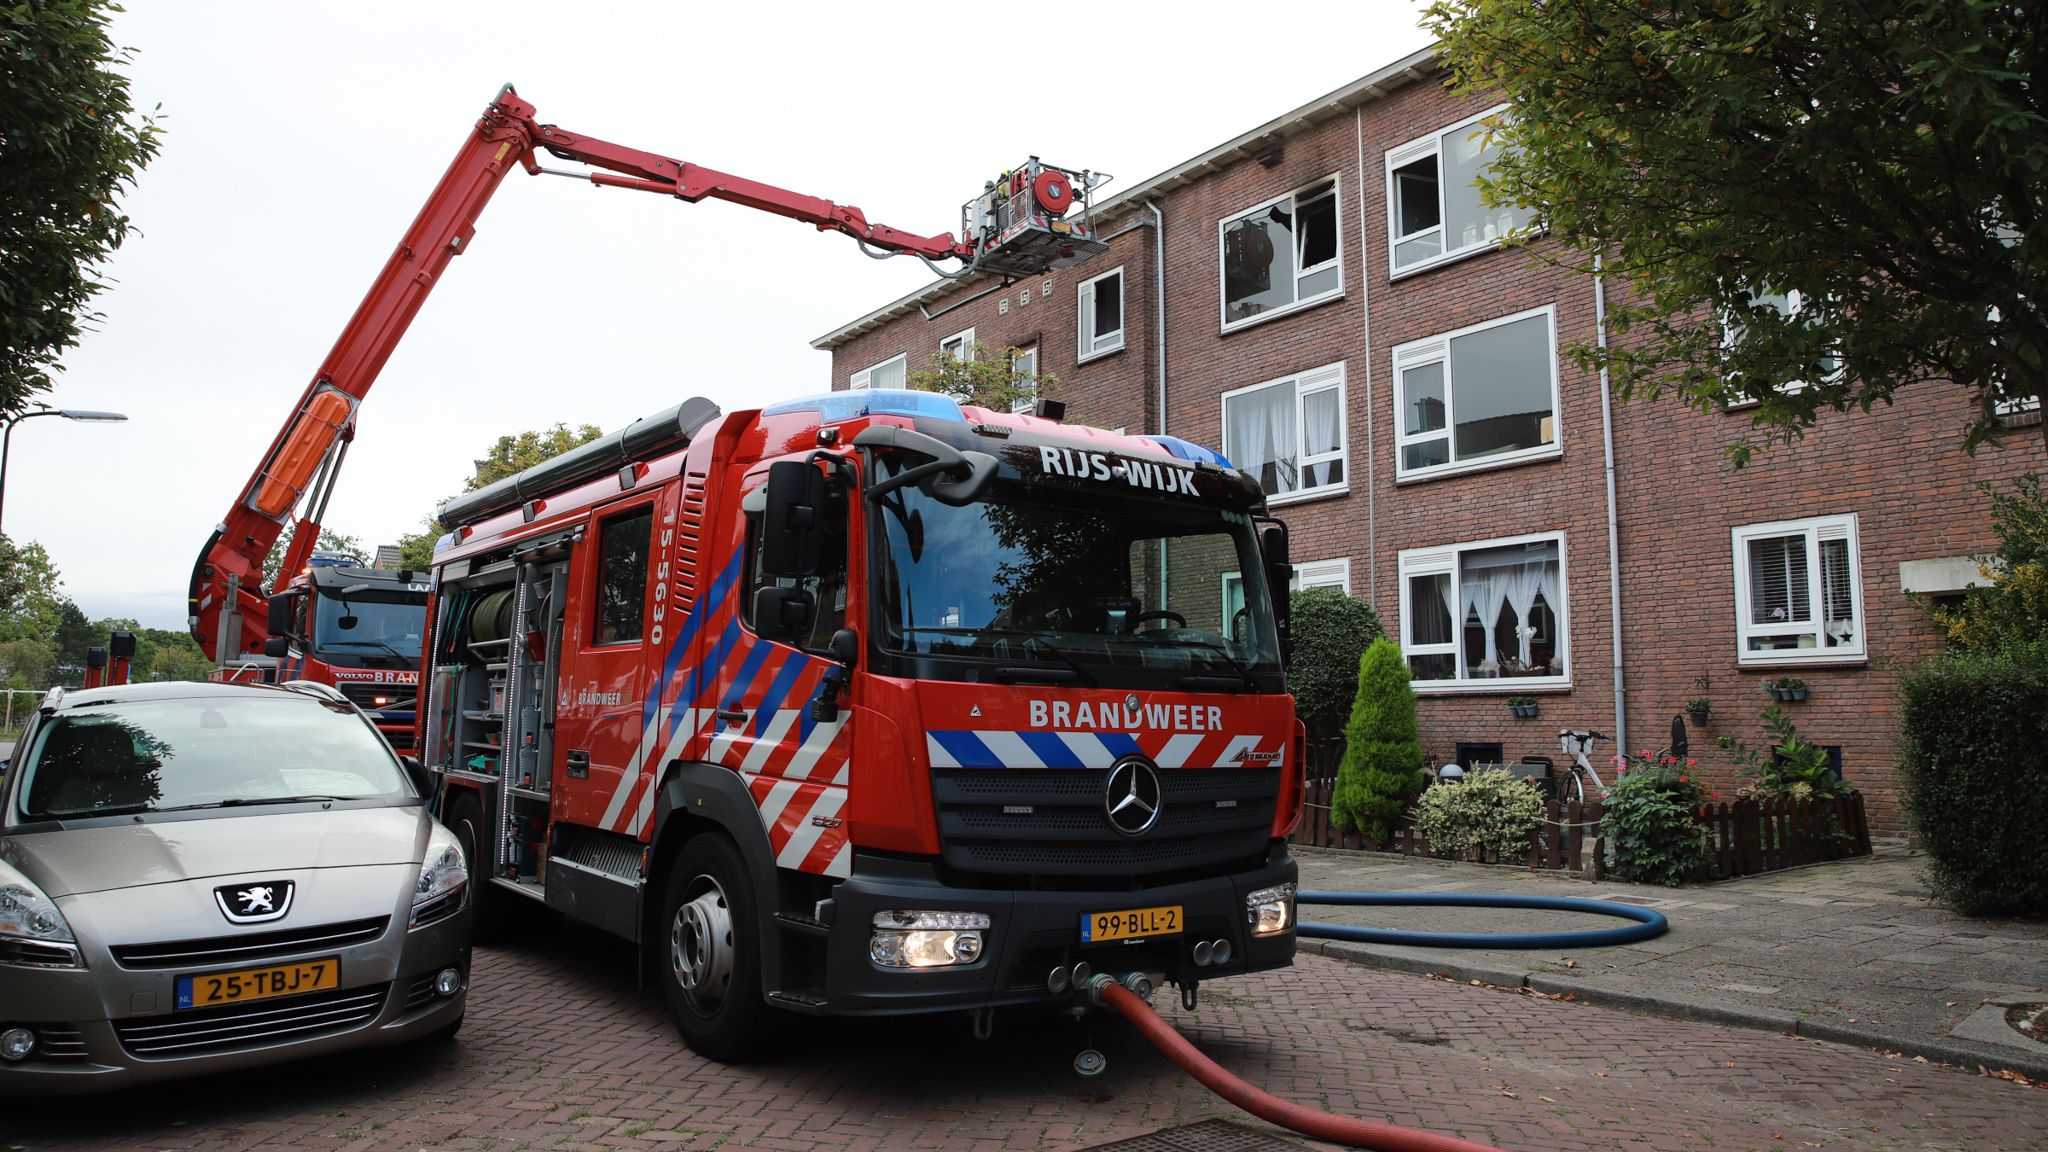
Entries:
{"x":1963,"y":1054}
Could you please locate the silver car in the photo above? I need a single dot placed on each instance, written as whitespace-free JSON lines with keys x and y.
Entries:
{"x":202,"y":877}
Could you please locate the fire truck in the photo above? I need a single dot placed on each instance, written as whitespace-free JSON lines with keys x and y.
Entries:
{"x":871,"y":702}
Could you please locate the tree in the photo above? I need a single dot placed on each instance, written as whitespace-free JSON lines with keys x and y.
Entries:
{"x":69,"y":143}
{"x":1382,"y":764}
{"x":508,"y":456}
{"x":30,"y":599}
{"x":25,"y":663}
{"x":329,"y":541}
{"x":1331,"y":632}
{"x":1842,"y":194}
{"x":2013,"y":611}
{"x":997,"y":382}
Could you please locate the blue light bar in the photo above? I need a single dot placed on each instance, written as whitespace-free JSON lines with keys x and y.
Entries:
{"x":836,"y":406}
{"x":1190,"y":451}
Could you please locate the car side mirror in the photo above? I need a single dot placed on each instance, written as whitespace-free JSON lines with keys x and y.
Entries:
{"x":417,"y":772}
{"x":1279,"y":576}
{"x":789,"y":524}
{"x":277,"y":646}
{"x":782,"y":613}
{"x":280,"y":618}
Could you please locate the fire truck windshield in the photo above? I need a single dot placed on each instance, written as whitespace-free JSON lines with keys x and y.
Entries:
{"x":1116,"y":592}
{"x":370,"y":623}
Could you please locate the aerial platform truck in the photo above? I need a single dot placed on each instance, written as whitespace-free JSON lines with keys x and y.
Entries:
{"x":862,"y":703}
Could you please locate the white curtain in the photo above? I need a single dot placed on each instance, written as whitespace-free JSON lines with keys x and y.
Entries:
{"x":1259,"y":432}
{"x":1319,"y":419}
{"x":1483,"y":589}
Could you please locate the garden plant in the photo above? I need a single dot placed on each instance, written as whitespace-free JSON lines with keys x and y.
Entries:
{"x":1490,"y":814}
{"x":1651,"y":819}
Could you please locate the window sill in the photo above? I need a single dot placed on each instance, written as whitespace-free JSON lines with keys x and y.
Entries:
{"x":1505,"y":686}
{"x":1436,"y":262}
{"x":1485,"y":465}
{"x":1781,"y":660}
{"x":1277,"y":313}
{"x":1308,"y":497}
{"x":1100,"y":354}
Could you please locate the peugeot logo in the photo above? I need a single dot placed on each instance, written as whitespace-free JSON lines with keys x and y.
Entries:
{"x":1130,"y":798}
{"x":255,"y":902}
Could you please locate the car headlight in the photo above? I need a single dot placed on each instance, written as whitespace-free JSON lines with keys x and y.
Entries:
{"x":33,"y":933}
{"x":923,"y":939}
{"x":1270,"y":911}
{"x":443,"y":877}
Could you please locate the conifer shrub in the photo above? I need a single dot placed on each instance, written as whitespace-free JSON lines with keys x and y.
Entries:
{"x":1382,"y":764}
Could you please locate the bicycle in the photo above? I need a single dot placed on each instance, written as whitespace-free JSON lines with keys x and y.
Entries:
{"x":1571,"y":785}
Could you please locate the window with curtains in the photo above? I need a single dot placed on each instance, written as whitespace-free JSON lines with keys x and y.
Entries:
{"x":1477,"y":396}
{"x":891,"y":373}
{"x":1492,"y":610}
{"x":1799,"y":591}
{"x":1289,"y":433}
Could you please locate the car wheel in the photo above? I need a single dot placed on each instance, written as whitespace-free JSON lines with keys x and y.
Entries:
{"x":466,"y":820}
{"x":711,"y":955}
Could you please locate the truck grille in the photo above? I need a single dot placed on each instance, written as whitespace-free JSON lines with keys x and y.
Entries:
{"x":396,"y":697}
{"x":262,"y":1023}
{"x":256,"y":946}
{"x":1207,"y":815}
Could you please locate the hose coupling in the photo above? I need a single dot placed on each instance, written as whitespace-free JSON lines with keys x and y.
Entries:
{"x":1139,"y":984}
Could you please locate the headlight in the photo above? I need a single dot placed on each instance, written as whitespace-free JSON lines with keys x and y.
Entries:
{"x":1270,"y":911}
{"x":914,"y":939}
{"x":443,"y":876}
{"x":33,"y":933}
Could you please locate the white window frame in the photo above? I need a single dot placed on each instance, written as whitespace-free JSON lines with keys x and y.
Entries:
{"x":1323,"y":574}
{"x":1815,"y":529}
{"x":1089,"y":345}
{"x":1409,"y":153}
{"x":1419,"y":353}
{"x":1335,"y":180}
{"x":1732,"y":332}
{"x":1317,"y":380}
{"x":862,"y":378}
{"x":1025,"y":405}
{"x":1444,"y":559}
{"x":965,"y":338}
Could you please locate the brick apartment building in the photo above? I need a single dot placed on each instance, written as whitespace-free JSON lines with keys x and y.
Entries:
{"x":1321,"y":299}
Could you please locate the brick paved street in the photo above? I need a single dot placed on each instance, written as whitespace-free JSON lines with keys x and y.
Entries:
{"x":560,"y":1052}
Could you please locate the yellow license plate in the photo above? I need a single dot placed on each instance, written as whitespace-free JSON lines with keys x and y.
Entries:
{"x":259,"y":983}
{"x":1100,"y":927}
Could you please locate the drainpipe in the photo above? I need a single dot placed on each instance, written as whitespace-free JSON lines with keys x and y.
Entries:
{"x":1159,"y":299}
{"x":1613,"y":533}
{"x":1372,"y":550}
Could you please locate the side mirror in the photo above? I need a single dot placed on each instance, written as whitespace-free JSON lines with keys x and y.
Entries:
{"x":782,"y":613}
{"x":417,"y":773}
{"x":845,"y":647}
{"x":789,"y":525}
{"x":277,"y":646}
{"x":280,"y":618}
{"x":1279,"y":575}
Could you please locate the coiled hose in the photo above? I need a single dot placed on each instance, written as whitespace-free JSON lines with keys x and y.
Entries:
{"x":1653,"y":923}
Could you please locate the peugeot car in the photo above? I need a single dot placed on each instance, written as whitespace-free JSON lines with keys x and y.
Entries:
{"x":197,"y":878}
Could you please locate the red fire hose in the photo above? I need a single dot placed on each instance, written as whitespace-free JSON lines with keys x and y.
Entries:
{"x":1307,"y":1121}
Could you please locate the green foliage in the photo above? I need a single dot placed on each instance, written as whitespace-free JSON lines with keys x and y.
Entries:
{"x":994,"y":382}
{"x":1520,"y":701}
{"x":329,"y":541}
{"x":2013,"y":611}
{"x":1804,"y":773}
{"x":1489,"y":812}
{"x":1973,"y":771}
{"x":69,"y":142}
{"x":508,"y":456}
{"x":1700,"y":706}
{"x":1883,"y":159}
{"x":1650,"y":819}
{"x":1382,"y":764}
{"x":30,"y":597}
{"x":1331,"y":632}
{"x":25,"y":663}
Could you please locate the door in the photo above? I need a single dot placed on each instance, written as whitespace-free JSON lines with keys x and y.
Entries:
{"x":601,"y":715}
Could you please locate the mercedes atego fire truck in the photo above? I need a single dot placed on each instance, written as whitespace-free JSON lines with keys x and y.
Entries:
{"x":872,"y":703}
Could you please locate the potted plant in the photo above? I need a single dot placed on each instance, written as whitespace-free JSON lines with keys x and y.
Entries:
{"x":1793,"y":688}
{"x":1697,"y":711}
{"x":1524,"y":707}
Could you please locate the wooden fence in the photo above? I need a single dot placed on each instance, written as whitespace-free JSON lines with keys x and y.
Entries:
{"x":1746,"y":836}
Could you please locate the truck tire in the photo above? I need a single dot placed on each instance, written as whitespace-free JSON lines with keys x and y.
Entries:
{"x":466,"y":820}
{"x":709,"y":941}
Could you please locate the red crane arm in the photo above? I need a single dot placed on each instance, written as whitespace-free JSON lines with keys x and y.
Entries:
{"x":227,"y":603}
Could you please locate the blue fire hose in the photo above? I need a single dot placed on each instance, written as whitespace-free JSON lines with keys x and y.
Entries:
{"x":1653,"y":924}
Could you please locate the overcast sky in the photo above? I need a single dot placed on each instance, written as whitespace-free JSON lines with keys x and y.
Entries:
{"x":302,"y":139}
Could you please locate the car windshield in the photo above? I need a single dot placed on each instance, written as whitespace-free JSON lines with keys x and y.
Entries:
{"x":373,"y":626}
{"x":202,"y":751}
{"x":1083,"y":583}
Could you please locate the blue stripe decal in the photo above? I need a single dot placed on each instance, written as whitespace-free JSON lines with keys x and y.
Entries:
{"x":1119,"y":743}
{"x":692,"y":624}
{"x":1051,"y":750}
{"x":967,"y":749}
{"x":778,"y":690}
{"x":743,"y":680}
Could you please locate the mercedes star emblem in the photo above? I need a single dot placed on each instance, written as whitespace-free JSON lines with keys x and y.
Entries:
{"x":1131,"y":797}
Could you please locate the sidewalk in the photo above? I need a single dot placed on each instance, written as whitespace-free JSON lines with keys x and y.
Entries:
{"x":1852,"y":952}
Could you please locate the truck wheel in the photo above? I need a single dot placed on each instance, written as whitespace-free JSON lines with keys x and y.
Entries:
{"x":466,"y":820}
{"x":711,"y":955}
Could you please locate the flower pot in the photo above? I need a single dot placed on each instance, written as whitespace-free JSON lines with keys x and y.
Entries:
{"x":1523,"y":711}
{"x":1795,"y":693}
{"x":1781,"y":694}
{"x":1697,"y":719}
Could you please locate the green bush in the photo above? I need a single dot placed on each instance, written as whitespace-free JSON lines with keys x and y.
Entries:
{"x":1650,"y":820}
{"x":1973,"y":770}
{"x":1331,"y":632}
{"x":1382,"y":764}
{"x":1490,"y":811}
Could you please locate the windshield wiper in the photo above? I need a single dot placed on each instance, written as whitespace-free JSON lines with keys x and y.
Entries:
{"x":1038,"y":638}
{"x":239,"y":802}
{"x":1236,"y":667}
{"x":364,"y":644}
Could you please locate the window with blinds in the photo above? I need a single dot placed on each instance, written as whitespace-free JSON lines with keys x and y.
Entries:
{"x":1799,"y":592}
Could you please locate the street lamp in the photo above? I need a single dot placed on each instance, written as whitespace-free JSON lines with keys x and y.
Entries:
{"x":82,"y":415}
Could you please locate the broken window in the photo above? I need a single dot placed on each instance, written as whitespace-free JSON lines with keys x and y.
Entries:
{"x":1282,"y":253}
